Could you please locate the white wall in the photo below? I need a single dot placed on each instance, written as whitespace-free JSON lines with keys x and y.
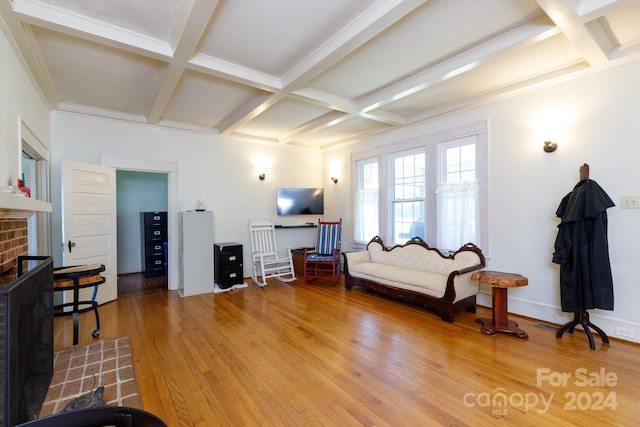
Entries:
{"x":220,"y":170}
{"x":599,"y":126}
{"x":19,"y":101}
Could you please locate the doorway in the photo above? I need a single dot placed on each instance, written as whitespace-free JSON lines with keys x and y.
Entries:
{"x":136,"y":192}
{"x":170,"y":170}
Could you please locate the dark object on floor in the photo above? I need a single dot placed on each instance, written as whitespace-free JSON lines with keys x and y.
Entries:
{"x":119,"y":416}
{"x":87,"y":401}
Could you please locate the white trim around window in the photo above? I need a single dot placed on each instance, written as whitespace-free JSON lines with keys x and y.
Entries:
{"x":431,"y":144}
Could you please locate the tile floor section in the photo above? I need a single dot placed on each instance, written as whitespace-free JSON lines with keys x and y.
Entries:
{"x":74,"y":368}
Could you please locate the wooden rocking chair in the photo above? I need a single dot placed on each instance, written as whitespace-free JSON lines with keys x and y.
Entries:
{"x":324,"y":259}
{"x":267,"y":260}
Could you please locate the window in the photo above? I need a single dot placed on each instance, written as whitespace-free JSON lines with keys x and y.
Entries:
{"x":29,"y":178}
{"x":433,"y":187}
{"x":35,"y":168}
{"x":366,"y":195}
{"x":457,"y":194}
{"x":407,"y":195}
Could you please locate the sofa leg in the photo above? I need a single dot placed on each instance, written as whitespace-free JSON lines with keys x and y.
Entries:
{"x":447,"y":317}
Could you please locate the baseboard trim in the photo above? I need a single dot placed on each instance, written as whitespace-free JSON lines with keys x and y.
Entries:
{"x":555,"y":316}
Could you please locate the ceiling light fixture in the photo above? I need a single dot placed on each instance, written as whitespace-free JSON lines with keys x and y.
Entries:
{"x":549,"y":146}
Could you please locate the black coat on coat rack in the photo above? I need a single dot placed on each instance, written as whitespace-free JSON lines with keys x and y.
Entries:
{"x":582,"y":249}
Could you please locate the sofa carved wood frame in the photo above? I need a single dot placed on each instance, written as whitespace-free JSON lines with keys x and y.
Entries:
{"x":445,"y":306}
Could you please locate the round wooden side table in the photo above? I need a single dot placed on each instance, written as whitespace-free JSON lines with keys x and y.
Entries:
{"x":500,"y":283}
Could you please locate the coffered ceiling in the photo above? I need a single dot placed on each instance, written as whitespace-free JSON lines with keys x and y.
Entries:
{"x":307,"y":72}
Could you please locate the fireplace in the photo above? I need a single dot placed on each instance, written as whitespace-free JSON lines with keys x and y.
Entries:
{"x":26,"y":339}
{"x":13,"y":243}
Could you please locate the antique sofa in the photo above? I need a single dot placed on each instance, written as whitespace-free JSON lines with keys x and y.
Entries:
{"x":417,"y":273}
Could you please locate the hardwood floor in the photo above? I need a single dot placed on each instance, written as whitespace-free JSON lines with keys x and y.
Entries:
{"x":316,"y":354}
{"x":136,"y":283}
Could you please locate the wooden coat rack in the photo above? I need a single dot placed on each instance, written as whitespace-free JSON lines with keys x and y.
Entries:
{"x":584,"y":172}
{"x":582,"y":317}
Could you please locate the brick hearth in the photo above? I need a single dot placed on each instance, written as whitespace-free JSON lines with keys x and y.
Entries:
{"x":74,"y":368}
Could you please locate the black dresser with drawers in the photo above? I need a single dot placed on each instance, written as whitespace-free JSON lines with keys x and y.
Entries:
{"x":153,"y":226}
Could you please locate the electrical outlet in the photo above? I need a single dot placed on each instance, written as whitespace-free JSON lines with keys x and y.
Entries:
{"x":625,"y":332}
{"x":630,"y":202}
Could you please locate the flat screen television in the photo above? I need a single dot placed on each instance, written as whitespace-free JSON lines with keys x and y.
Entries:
{"x":300,"y":201}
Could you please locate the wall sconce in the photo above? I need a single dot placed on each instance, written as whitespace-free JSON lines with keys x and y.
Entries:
{"x":335,"y":180}
{"x":261,"y":177}
{"x":549,"y":146}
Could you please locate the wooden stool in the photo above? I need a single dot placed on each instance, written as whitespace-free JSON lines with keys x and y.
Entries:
{"x":73,"y":279}
{"x":500,"y":283}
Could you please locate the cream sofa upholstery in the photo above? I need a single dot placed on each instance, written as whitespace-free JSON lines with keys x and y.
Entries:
{"x":415,"y":272}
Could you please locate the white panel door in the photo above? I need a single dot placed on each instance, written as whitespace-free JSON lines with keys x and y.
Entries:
{"x":89,"y":223}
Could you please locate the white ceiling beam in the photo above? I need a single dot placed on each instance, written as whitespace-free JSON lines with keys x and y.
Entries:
{"x":374,"y":20}
{"x":192,"y":24}
{"x":565,"y":17}
{"x":253,"y":138}
{"x":247,"y":113}
{"x":533,"y":32}
{"x":167,"y":83}
{"x":383,"y":116}
{"x":329,"y":119}
{"x":226,"y":70}
{"x":325,"y":99}
{"x":627,"y":50}
{"x":593,"y":9}
{"x":188,"y":126}
{"x":57,"y":19}
{"x":348,"y":106}
{"x":101,"y":112}
{"x":492,"y":95}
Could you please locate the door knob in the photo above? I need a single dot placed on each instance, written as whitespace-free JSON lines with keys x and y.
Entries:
{"x":71,"y":245}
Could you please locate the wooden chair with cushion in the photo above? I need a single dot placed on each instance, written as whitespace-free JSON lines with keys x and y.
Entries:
{"x":324,"y":259}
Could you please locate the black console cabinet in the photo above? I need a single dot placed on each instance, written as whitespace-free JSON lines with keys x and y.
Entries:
{"x":153,"y":226}
{"x":227,"y":264}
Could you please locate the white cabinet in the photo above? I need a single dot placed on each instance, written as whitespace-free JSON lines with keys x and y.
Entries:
{"x":195,"y":252}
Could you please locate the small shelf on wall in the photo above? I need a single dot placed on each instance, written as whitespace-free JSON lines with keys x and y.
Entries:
{"x":296,"y":226}
{"x":13,"y":206}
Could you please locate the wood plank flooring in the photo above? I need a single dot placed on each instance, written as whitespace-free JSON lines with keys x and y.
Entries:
{"x":319,"y":355}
